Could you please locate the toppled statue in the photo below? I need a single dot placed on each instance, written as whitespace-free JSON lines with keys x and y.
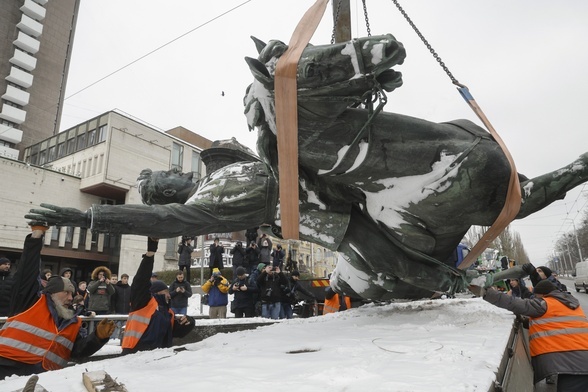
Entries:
{"x":392,"y":194}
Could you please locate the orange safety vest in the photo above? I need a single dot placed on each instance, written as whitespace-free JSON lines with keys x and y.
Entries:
{"x":137,"y":324}
{"x":32,"y":337}
{"x":332,"y":305}
{"x":559,"y":329}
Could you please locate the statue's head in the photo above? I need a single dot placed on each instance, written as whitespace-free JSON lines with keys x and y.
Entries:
{"x":164,"y":187}
{"x":342,"y":72}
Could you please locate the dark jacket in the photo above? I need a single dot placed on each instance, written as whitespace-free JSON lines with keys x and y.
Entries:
{"x":216,"y":256}
{"x":265,"y":249}
{"x":122,"y":298}
{"x":270,"y":286}
{"x":243,"y":298}
{"x":26,"y":293}
{"x":159,"y":333}
{"x":6,"y":285}
{"x":293,"y":290}
{"x":180,"y":299}
{"x":252,"y":256}
{"x":278,"y":258}
{"x":100,"y":292}
{"x":239,"y":259}
{"x":569,"y":362}
{"x":185,"y":252}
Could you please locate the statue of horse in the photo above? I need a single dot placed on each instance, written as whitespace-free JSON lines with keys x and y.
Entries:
{"x":392,"y":194}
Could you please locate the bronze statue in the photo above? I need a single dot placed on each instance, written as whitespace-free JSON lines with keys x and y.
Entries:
{"x":393,"y":194}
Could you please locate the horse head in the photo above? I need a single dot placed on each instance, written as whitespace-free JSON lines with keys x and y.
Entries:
{"x":336,"y":76}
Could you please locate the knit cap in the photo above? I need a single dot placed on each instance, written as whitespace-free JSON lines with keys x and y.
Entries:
{"x":58,"y":284}
{"x":158,"y":286}
{"x":544,"y":287}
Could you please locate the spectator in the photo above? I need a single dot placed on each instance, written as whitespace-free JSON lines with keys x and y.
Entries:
{"x":244,"y":294}
{"x":154,"y":277}
{"x":291,"y":294}
{"x":269,"y":283}
{"x":180,"y":290}
{"x":100,"y":290}
{"x":239,"y":259}
{"x":518,"y":289}
{"x":255,"y":272}
{"x":217,"y":288}
{"x":68,"y":273}
{"x":216,"y":255}
{"x":6,"y":284}
{"x":83,"y":291}
{"x":47,"y":273}
{"x":122,"y":295}
{"x":113,"y":282}
{"x":80,"y":307}
{"x":48,"y":315}
{"x":335,"y":302}
{"x":557,"y":338}
{"x":252,"y":256}
{"x":151,"y":323}
{"x":185,"y":250}
{"x":251,"y":235}
{"x":265,"y":249}
{"x":278,"y":255}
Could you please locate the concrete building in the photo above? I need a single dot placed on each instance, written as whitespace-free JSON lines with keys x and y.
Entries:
{"x":96,"y":162}
{"x":36,"y":39}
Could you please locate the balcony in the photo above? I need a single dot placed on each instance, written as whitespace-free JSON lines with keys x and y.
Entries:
{"x":33,"y":9}
{"x":10,"y":134}
{"x":16,"y":95}
{"x":27,"y":43}
{"x":20,"y":77}
{"x":12,"y":114}
{"x":30,"y":26}
{"x":23,"y":60}
{"x":8,"y":152}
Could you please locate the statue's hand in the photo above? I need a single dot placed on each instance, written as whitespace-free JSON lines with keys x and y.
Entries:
{"x":59,"y":216}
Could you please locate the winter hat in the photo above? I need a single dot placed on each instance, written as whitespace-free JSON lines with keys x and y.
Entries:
{"x":215,"y":272}
{"x":544,"y":287}
{"x":158,"y":286}
{"x":546,"y":271}
{"x":295,"y":273}
{"x":57,"y":284}
{"x":261,"y":266}
{"x":240,"y":271}
{"x":4,"y":260}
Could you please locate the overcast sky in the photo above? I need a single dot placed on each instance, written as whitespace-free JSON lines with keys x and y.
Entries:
{"x":524,"y":62}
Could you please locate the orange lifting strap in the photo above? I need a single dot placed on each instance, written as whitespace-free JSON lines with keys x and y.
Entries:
{"x":287,"y":118}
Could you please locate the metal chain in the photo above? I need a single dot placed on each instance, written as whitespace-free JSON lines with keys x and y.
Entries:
{"x":367,"y":21}
{"x":335,"y":22}
{"x":422,"y":37}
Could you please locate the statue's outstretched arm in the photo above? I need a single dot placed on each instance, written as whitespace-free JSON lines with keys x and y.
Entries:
{"x":543,"y":190}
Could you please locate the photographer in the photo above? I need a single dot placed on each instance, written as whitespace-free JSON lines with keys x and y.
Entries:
{"x":216,"y":255}
{"x":100,"y":290}
{"x":290,"y":294}
{"x":265,"y":249}
{"x":180,"y":290}
{"x":239,"y":259}
{"x":245,"y":295}
{"x":185,"y":250}
{"x":252,"y":256}
{"x":217,"y":288}
{"x":269,"y":283}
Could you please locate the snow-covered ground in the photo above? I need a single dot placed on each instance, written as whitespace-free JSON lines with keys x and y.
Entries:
{"x":429,"y":345}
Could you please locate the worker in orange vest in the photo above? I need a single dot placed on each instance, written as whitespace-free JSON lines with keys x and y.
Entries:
{"x":44,"y":330}
{"x":558,"y":332}
{"x":151,"y":323}
{"x":335,"y":302}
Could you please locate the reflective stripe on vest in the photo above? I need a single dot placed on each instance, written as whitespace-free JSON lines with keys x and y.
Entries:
{"x":560,"y":329}
{"x":32,"y":337}
{"x":138,"y":322}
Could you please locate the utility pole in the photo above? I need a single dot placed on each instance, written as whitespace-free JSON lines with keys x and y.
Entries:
{"x":342,"y":20}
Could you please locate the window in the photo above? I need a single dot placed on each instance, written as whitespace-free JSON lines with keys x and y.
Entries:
{"x":177,"y":156}
{"x":101,"y":134}
{"x":81,"y":143}
{"x":42,"y":157}
{"x":196,"y":165}
{"x":71,"y":146}
{"x":34,"y":158}
{"x":51,"y":156}
{"x":91,"y":137}
{"x":60,"y":150}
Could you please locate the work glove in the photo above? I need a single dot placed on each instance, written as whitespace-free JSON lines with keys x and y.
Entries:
{"x":478,"y":291}
{"x":59,"y":216}
{"x":152,"y":244}
{"x":104,"y":329}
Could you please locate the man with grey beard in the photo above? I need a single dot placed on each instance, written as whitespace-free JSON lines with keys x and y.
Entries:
{"x":44,"y":331}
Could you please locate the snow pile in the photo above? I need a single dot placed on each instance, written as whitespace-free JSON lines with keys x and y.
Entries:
{"x":441,"y":345}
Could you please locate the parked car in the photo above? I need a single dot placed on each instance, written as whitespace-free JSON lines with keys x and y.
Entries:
{"x":581,"y":279}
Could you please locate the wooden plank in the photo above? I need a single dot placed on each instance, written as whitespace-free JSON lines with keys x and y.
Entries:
{"x":287,"y":118}
{"x":100,"y":381}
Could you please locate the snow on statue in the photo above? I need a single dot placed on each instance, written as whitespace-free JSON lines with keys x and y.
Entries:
{"x":393,"y":194}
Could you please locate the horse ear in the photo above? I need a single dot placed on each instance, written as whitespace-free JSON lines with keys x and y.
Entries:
{"x":259,"y":44}
{"x":260,"y":72}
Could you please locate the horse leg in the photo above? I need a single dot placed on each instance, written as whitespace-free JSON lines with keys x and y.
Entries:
{"x":539,"y":192}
